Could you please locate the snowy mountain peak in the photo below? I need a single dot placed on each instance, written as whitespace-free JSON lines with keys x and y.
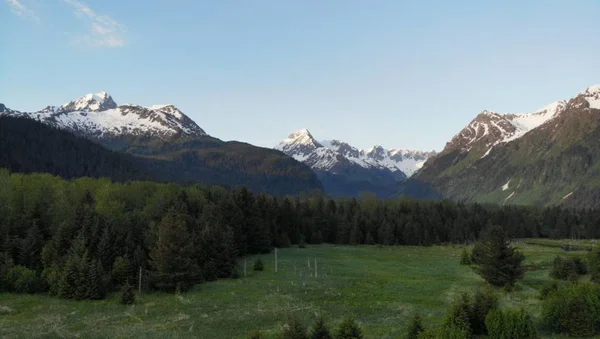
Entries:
{"x":98,"y":116}
{"x":329,"y":155}
{"x":97,"y":102}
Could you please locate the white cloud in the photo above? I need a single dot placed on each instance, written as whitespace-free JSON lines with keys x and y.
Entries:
{"x":21,"y":10}
{"x":104,"y":31}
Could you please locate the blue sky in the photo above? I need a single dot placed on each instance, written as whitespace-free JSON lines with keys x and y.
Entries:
{"x":402,"y":74}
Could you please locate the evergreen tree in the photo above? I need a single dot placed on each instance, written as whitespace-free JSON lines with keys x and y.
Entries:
{"x":127,"y":295}
{"x":31,"y":248}
{"x":320,"y":331}
{"x":499,"y":263}
{"x":349,"y":329}
{"x":172,"y":255}
{"x":415,"y":328}
{"x":465,"y":257}
{"x":96,"y":285}
{"x":258,"y":265}
{"x":294,"y":330}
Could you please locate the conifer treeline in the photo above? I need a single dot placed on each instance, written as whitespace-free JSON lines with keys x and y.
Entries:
{"x":79,"y":239}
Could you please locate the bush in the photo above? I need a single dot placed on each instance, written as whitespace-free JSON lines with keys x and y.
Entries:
{"x":294,"y":330}
{"x":320,"y":331}
{"x":513,"y":324}
{"x":21,"y":279}
{"x":574,"y":309}
{"x":349,"y":329}
{"x":548,"y":290}
{"x":256,"y":335}
{"x":459,"y":314}
{"x":567,"y":269}
{"x":258,"y":265}
{"x":415,"y":328}
{"x":451,"y":332}
{"x":302,"y":243}
{"x":127,"y":295}
{"x":465,"y":257}
{"x":484,"y":302}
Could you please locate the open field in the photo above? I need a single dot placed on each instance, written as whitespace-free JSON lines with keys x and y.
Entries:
{"x":380,"y":286}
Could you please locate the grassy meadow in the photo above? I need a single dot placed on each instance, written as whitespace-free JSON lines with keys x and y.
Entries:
{"x":380,"y":286}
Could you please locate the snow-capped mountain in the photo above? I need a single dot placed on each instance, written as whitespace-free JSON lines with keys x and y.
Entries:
{"x":330,"y":155}
{"x":540,"y":157}
{"x":97,"y":115}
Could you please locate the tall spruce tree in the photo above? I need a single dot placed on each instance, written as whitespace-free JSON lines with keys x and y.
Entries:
{"x":499,"y":263}
{"x":172,"y":257}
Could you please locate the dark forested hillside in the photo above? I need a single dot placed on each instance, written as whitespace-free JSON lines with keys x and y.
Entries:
{"x":27,"y":146}
{"x":79,"y":239}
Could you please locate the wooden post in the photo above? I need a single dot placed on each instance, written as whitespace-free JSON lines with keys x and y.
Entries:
{"x":316,"y":269}
{"x":275,"y":259}
{"x":140,"y":281}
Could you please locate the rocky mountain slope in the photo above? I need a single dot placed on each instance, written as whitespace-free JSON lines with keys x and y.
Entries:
{"x":546,"y":157}
{"x":345,"y":170}
{"x":173,"y":146}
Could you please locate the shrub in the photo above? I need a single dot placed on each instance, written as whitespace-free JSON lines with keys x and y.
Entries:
{"x":349,"y":329}
{"x":21,"y":279}
{"x":258,"y":265}
{"x":415,"y":328}
{"x":574,"y":309}
{"x":548,"y":290}
{"x":294,"y":330}
{"x":256,"y":335}
{"x":127,"y":295}
{"x":446,"y":332}
{"x":484,"y":302}
{"x":465,"y":257}
{"x":513,"y":324}
{"x":567,"y":269}
{"x":459,"y":313}
{"x":320,"y":331}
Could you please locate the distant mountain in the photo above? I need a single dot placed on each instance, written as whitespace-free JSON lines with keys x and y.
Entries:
{"x":345,"y":170}
{"x":173,"y":147}
{"x":550,"y":156}
{"x":98,"y":116}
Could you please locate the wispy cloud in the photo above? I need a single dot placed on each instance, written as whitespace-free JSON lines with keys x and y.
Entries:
{"x":21,"y":10}
{"x":104,"y":31}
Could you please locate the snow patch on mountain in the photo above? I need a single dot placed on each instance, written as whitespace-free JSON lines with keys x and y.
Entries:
{"x":505,"y":186}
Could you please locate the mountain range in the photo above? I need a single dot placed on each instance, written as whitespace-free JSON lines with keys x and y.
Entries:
{"x":345,"y":170}
{"x":166,"y":143}
{"x":550,"y":156}
{"x":546,"y":157}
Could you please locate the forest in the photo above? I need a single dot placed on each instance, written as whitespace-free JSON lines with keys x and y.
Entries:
{"x":80,"y":239}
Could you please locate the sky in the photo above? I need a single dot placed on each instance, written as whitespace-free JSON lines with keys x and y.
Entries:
{"x":402,"y":74}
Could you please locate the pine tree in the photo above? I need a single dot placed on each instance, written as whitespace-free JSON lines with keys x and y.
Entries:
{"x":320,"y":331}
{"x":499,"y":263}
{"x":415,"y":328}
{"x":349,"y":329}
{"x":258,"y":265}
{"x":127,"y":295}
{"x":172,"y":258}
{"x":96,"y":285}
{"x":31,"y":248}
{"x":294,"y":330}
{"x":465,"y":257}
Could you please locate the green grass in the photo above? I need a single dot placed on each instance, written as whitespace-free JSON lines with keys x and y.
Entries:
{"x":380,"y":286}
